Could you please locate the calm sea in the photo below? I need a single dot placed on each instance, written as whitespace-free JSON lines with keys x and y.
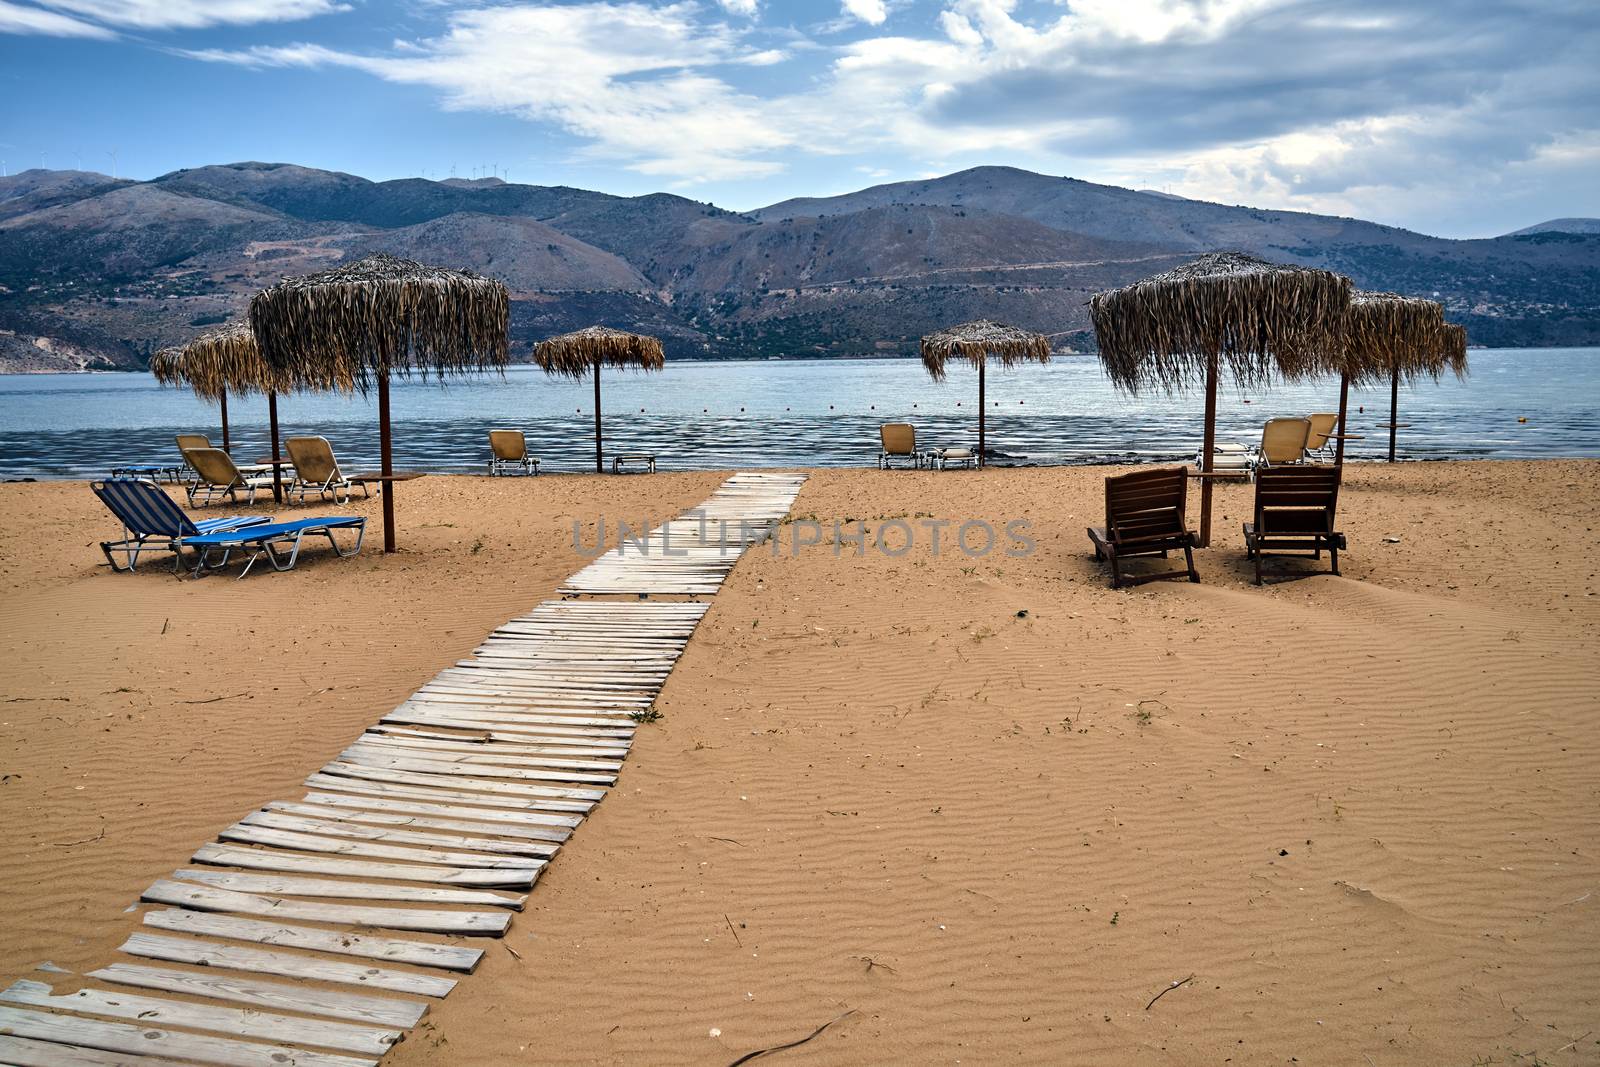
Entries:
{"x":801,"y":413}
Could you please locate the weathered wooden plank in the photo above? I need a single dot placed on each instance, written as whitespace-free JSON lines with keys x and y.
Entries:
{"x":310,"y":1000}
{"x":456,"y":752}
{"x":546,"y":744}
{"x":422,"y":920}
{"x":430,"y":791}
{"x":546,"y":768}
{"x":283,"y":964}
{"x":339,"y":942}
{"x":344,"y":828}
{"x":550,"y":835}
{"x":372,"y":757}
{"x":290,"y":863}
{"x":127,"y":1037}
{"x":410,"y":804}
{"x":261,"y":835}
{"x":236,"y":1022}
{"x":28,"y":1052}
{"x":578,"y":800}
{"x":542,"y":725}
{"x":288,"y":885}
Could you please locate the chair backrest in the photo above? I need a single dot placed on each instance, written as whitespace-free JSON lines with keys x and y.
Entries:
{"x":1147,"y":503}
{"x":312,"y":458}
{"x":1284,"y":440}
{"x":1296,"y":500}
{"x":1322,"y":424}
{"x":214,"y":466}
{"x":143,"y":508}
{"x":899,"y":438}
{"x":187,"y":441}
{"x":508,"y":445}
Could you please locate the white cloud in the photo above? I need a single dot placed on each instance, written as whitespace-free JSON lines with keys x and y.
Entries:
{"x":1400,"y":112}
{"x":14,"y":18}
{"x":628,"y":78}
{"x":747,"y":8}
{"x":872,"y":12}
{"x":194,"y":14}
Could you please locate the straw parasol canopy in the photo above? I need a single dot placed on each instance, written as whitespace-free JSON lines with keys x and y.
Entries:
{"x":576,"y":354}
{"x":1263,"y":319}
{"x":378,"y":317}
{"x":1260,"y":318}
{"x":1394,"y":338}
{"x":220,"y":362}
{"x":978,"y":342}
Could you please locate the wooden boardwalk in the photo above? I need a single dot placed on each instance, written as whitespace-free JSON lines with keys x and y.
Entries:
{"x":315,"y":931}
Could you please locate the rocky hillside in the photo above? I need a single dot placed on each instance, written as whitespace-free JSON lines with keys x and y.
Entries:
{"x":100,"y":272}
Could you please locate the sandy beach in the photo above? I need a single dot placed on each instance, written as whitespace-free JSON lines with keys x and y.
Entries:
{"x":975,"y":810}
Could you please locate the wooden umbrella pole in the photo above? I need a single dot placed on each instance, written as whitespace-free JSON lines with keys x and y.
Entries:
{"x":387,"y":456}
{"x":599,"y":452}
{"x":1394,"y":408}
{"x":227,"y":444}
{"x":277,"y":468}
{"x":1207,"y":460}
{"x":983,"y":459}
{"x":1344,"y":406}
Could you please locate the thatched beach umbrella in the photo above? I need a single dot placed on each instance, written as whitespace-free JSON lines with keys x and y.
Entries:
{"x":222,"y":361}
{"x":978,"y":342}
{"x":1393,"y":337}
{"x":576,"y":354}
{"x":380,"y":316}
{"x":1177,"y":328}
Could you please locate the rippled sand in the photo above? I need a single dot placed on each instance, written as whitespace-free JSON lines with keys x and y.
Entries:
{"x":989,"y":808}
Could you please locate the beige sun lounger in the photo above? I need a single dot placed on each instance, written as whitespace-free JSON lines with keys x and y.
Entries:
{"x":1228,"y":459}
{"x":317,"y":471}
{"x":217,"y":476}
{"x":1283,"y":442}
{"x":1320,"y":439}
{"x":899,"y":441}
{"x":509,"y":450}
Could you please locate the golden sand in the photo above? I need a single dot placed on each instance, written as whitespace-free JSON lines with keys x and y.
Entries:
{"x":990,"y":808}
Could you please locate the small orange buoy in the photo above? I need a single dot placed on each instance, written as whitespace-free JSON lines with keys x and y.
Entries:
{"x":1522,"y":418}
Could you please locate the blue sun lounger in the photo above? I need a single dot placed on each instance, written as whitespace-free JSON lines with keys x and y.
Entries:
{"x":267,"y":540}
{"x":151,"y":520}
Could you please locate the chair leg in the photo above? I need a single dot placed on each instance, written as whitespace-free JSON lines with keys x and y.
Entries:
{"x":1188,"y":555}
{"x":1116,"y":569}
{"x":1333,"y":556}
{"x":1258,"y":566}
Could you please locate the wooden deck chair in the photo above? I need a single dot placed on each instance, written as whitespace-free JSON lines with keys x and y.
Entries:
{"x":509,"y":450}
{"x":1283,"y":441}
{"x":899,"y":442}
{"x":217,"y":476}
{"x":317,"y":471}
{"x":1319,"y":441}
{"x":1295,"y":511}
{"x":1145,"y":517}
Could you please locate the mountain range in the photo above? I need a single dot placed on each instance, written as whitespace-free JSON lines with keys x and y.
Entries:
{"x":97,"y":272}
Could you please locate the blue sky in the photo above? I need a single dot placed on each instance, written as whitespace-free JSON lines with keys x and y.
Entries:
{"x":1459,"y":117}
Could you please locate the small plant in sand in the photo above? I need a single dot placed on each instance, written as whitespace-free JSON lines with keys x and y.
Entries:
{"x":477,"y":546}
{"x":645,"y":715}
